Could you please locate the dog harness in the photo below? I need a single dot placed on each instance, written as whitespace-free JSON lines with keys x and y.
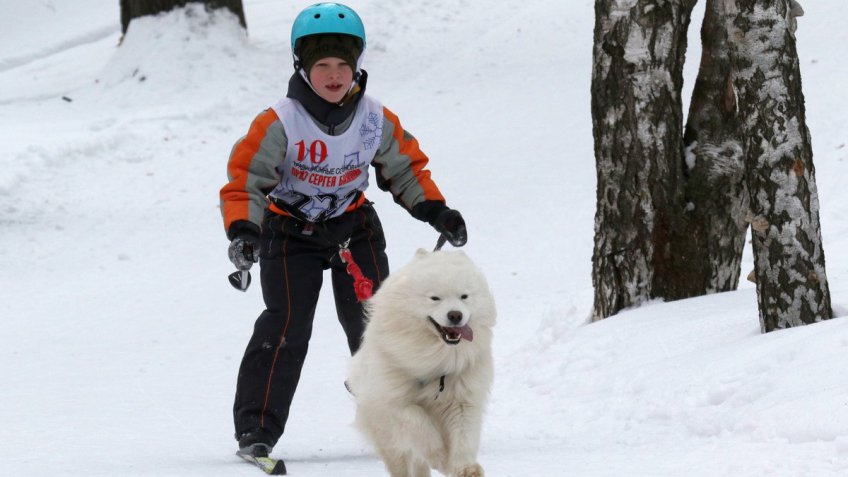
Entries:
{"x":424,"y":383}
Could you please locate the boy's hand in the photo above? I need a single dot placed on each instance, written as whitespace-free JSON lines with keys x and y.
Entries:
{"x":450,"y":223}
{"x":244,"y":251}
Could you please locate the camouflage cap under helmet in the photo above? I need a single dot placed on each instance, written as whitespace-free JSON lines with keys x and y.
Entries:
{"x":315,"y":47}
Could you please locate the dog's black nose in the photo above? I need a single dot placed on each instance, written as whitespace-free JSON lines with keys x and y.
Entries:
{"x":455,"y":316}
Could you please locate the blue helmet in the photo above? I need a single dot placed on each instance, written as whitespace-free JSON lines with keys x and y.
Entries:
{"x":327,"y":18}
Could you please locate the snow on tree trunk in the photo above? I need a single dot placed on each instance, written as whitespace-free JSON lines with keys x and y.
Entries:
{"x":639,"y":48}
{"x":138,"y":8}
{"x":792,"y":286}
{"x":715,"y":192}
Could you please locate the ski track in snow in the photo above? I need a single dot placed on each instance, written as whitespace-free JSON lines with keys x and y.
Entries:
{"x":87,"y":38}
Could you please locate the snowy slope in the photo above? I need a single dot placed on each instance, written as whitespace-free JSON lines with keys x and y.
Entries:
{"x":121,"y":336}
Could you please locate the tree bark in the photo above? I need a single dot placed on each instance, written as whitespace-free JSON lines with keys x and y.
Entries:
{"x":131,"y":9}
{"x":637,"y":127}
{"x":672,"y":208}
{"x":714,"y":170}
{"x":792,"y":286}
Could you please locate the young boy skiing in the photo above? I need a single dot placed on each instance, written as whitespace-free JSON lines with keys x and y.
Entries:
{"x":295,"y":196}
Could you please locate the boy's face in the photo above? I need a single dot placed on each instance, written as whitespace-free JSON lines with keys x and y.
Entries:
{"x":331,"y":77}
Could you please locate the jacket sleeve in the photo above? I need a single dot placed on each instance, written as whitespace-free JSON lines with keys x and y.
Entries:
{"x":401,"y":170}
{"x":252,"y":173}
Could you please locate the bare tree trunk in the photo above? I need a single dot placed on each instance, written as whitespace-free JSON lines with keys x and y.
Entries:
{"x":131,"y":9}
{"x":671,"y":224}
{"x":715,"y":191}
{"x":637,"y":125}
{"x":789,"y":260}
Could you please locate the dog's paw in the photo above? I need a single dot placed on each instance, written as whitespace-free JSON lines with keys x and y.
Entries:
{"x":440,"y":464}
{"x":473,"y":470}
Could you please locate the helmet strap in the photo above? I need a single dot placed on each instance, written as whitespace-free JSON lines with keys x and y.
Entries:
{"x":297,"y":64}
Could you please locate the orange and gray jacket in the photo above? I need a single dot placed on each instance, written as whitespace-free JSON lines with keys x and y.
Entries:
{"x":259,"y":166}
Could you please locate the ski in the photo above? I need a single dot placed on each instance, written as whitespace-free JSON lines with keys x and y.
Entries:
{"x":268,"y":465}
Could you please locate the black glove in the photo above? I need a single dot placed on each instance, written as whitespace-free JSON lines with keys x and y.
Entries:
{"x":450,"y":223}
{"x":244,"y":251}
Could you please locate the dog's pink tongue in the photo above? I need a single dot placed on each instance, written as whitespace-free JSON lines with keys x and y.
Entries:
{"x":464,"y":332}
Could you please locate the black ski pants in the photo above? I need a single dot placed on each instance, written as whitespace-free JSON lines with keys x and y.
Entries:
{"x":293,"y":261}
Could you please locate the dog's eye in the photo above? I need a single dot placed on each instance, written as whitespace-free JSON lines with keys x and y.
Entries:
{"x":435,"y":298}
{"x":464,"y":297}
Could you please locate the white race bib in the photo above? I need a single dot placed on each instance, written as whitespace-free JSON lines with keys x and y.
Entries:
{"x":322,"y":174}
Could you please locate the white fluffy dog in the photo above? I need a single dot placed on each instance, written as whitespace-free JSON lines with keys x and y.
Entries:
{"x":422,"y":375}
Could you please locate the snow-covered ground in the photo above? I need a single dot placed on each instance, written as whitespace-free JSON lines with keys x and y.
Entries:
{"x":121,"y":336}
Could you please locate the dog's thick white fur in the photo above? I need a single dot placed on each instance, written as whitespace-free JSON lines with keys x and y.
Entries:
{"x":422,"y":376}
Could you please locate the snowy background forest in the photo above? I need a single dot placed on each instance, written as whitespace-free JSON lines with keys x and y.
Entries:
{"x":121,"y":336}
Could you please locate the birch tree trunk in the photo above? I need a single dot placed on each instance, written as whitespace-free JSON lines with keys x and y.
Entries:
{"x":131,"y":9}
{"x":714,"y":172}
{"x":672,"y":209}
{"x":639,"y":48}
{"x":792,"y":286}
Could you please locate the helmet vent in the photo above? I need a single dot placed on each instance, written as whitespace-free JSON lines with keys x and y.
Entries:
{"x":317,"y":15}
{"x":341,"y":15}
